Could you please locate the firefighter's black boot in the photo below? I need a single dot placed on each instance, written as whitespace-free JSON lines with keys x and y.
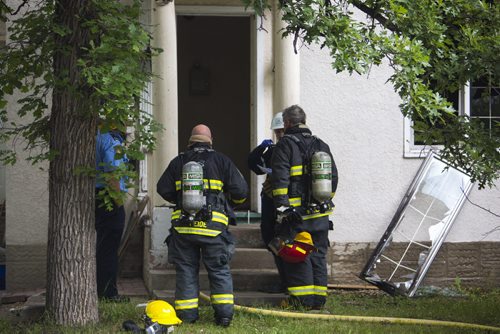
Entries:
{"x":224,"y":322}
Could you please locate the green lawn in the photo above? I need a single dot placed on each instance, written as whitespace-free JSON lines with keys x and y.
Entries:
{"x":476,"y":308}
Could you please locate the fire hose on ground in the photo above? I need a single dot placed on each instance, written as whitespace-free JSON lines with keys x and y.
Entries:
{"x":354,"y":318}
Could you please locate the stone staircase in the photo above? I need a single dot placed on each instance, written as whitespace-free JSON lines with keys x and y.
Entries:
{"x":252,"y":267}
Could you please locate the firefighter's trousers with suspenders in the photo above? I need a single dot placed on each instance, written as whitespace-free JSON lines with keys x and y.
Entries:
{"x":307,"y":280}
{"x":186,"y":251}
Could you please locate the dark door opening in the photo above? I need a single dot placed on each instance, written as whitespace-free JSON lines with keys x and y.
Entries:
{"x":214,"y":82}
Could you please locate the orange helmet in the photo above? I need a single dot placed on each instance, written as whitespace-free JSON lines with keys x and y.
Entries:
{"x":297,"y":251}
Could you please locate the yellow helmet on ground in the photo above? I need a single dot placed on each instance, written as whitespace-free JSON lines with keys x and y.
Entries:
{"x":162,"y":312}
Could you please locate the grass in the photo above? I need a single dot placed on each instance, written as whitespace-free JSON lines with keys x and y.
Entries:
{"x":477,"y":307}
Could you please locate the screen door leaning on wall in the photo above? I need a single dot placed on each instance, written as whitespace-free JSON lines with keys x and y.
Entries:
{"x":409,"y":245}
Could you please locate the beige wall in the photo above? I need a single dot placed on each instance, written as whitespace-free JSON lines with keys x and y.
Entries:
{"x":26,"y":214}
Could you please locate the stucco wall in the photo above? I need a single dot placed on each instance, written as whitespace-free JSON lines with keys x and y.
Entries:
{"x":26,"y":213}
{"x":26,"y":221}
{"x":2,"y":169}
{"x":359,"y":117}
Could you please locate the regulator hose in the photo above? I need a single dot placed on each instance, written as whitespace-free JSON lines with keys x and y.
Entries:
{"x":354,"y":318}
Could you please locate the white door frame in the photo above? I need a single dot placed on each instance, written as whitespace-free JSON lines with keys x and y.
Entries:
{"x":259,"y":120}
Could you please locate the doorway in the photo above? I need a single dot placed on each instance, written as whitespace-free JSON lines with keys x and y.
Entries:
{"x":213,"y":55}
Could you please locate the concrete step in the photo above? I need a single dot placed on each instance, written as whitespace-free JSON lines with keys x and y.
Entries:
{"x":247,"y":235}
{"x":244,"y":298}
{"x":243,"y":279}
{"x":252,"y":258}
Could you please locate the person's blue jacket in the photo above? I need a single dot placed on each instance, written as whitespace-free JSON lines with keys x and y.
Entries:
{"x":105,"y":156}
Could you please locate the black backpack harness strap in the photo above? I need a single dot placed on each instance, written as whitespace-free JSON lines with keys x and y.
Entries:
{"x":306,"y":153}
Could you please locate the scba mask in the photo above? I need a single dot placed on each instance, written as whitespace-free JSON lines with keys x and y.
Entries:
{"x":156,"y":328}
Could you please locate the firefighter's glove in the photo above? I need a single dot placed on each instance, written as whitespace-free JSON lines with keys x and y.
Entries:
{"x":266,"y":143}
{"x":288,"y":215}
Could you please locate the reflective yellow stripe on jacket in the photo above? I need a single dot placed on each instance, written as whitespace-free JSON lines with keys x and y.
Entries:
{"x":296,"y":170}
{"x":280,"y":191}
{"x":176,"y":214}
{"x":197,"y":231}
{"x":225,"y":298}
{"x":184,"y":304}
{"x":238,"y":201}
{"x":213,"y":184}
{"x":295,"y":201}
{"x":317,"y":215}
{"x":219,"y":217}
{"x":216,"y":216}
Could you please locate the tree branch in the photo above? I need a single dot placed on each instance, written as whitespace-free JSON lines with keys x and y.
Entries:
{"x":479,"y":206}
{"x":19,"y":7}
{"x":373,"y":13}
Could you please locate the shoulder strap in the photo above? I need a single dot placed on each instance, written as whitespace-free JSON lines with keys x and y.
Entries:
{"x":305,"y":151}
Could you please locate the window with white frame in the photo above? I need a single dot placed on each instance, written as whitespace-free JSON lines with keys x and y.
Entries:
{"x":414,"y":142}
{"x":479,"y":99}
{"x":482,"y":101}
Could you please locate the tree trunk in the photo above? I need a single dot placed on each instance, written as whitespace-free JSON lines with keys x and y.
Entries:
{"x":71,"y":283}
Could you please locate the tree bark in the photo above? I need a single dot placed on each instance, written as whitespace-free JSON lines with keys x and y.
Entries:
{"x":71,"y":287}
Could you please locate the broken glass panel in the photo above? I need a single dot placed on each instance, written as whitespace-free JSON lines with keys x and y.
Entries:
{"x":425,"y":215}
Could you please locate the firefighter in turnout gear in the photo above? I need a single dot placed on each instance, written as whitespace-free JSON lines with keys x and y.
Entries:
{"x":259,"y":161}
{"x":200,"y":223}
{"x":298,"y":186}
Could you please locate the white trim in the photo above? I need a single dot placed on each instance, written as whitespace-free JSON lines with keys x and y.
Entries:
{"x":258,"y":75}
{"x":465,"y":100}
{"x":146,"y":105}
{"x":411,"y":150}
{"x":259,"y":131}
{"x":213,"y":10}
{"x":259,"y":84}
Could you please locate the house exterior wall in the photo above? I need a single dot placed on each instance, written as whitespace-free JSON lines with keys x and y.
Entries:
{"x":359,"y":117}
{"x":27,"y":215}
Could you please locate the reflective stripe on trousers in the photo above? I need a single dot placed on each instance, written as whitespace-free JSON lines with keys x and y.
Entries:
{"x":186,"y":251}
{"x":307,"y":290}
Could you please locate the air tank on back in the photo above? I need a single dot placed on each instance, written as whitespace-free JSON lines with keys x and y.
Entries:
{"x":321,"y":176}
{"x":192,"y":187}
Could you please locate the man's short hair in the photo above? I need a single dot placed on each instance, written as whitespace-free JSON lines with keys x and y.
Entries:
{"x":295,"y":115}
